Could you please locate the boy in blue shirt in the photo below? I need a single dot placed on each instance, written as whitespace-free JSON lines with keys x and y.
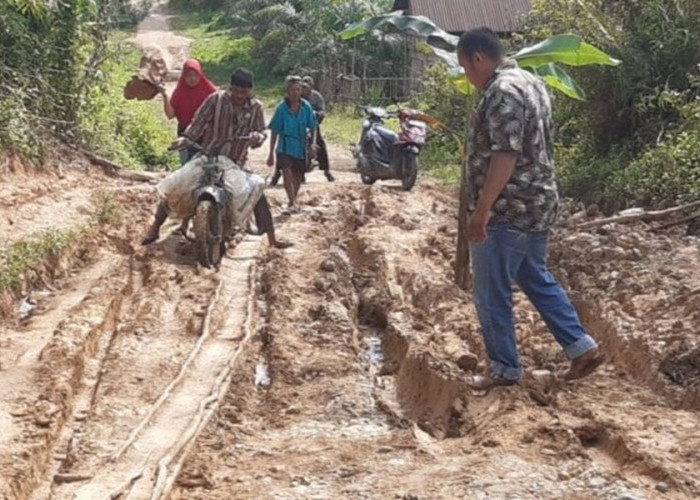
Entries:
{"x":293,"y":118}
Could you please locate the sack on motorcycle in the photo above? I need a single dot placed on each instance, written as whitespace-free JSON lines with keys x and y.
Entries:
{"x":177,"y":188}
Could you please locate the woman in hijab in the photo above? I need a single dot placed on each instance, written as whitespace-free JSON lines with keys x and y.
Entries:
{"x":191,"y":91}
{"x":292,"y":119}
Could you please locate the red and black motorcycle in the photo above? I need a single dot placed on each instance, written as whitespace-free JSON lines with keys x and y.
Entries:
{"x":384,"y":154}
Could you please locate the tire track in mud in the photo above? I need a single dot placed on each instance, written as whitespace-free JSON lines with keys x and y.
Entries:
{"x":52,"y":379}
{"x":126,"y":434}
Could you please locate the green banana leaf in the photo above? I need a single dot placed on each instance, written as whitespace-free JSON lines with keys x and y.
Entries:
{"x":559,"y":79}
{"x":563,"y":49}
{"x":552,"y":74}
{"x":420,"y":25}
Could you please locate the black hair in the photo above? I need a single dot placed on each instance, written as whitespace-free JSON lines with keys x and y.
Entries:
{"x":242,"y":78}
{"x":483,"y":40}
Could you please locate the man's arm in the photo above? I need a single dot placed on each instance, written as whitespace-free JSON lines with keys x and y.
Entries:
{"x":320,"y":106}
{"x":506,"y":122}
{"x":313,"y":125}
{"x":258,"y":127}
{"x":273,"y":143}
{"x":500,"y":171}
{"x":320,"y":102}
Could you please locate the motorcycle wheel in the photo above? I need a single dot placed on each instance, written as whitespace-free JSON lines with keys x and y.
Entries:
{"x":207,"y":234}
{"x":367,"y":179}
{"x":410,"y":171}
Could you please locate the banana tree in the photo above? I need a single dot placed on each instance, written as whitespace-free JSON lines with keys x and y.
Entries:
{"x":543,"y":59}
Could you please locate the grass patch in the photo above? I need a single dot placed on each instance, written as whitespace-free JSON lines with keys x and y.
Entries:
{"x":134,"y":134}
{"x":220,"y":51}
{"x":342,"y":126}
{"x":22,"y":256}
{"x":107,"y":209}
{"x":441,"y":159}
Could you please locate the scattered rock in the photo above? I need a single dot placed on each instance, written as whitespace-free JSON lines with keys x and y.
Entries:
{"x":662,"y":487}
{"x":597,"y":482}
{"x":70,"y":478}
{"x":490,"y":443}
{"x":262,"y":375}
{"x":468,"y":362}
{"x":328,"y":266}
{"x":593,"y":210}
{"x":543,"y":376}
{"x":300,"y":480}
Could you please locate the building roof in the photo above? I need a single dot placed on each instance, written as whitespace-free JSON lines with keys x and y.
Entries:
{"x":456,"y":16}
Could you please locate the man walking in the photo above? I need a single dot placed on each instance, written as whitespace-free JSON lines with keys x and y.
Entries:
{"x":513,"y":204}
{"x":318,"y":104}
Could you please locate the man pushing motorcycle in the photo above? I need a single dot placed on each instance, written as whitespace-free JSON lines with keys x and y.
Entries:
{"x":230,"y":122}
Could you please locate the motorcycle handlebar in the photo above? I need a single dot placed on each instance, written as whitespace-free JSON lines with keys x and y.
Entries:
{"x":192,"y":144}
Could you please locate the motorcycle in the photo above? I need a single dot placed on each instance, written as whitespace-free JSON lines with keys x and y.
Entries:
{"x":384,"y":154}
{"x":223,"y":198}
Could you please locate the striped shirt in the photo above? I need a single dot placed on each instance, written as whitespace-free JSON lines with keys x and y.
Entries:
{"x":217,"y":120}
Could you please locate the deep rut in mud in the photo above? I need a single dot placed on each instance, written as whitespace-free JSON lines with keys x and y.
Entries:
{"x":363,"y":332}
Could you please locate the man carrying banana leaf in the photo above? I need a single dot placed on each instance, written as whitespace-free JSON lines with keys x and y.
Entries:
{"x":513,"y":203}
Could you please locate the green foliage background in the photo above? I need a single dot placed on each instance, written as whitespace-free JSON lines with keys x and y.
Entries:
{"x":63,"y":66}
{"x":635,"y":141}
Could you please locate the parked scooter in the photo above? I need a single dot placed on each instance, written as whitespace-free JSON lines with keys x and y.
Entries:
{"x":384,"y":154}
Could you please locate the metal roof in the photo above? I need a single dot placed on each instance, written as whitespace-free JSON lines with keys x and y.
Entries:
{"x":457,"y":16}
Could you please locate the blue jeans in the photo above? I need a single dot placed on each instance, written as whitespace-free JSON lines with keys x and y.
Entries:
{"x":507,"y":256}
{"x":185,"y":155}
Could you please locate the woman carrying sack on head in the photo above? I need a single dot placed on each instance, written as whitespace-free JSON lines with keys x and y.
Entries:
{"x":292,"y":119}
{"x":192,"y":90}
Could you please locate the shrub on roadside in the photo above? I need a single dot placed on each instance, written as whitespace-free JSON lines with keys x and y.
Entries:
{"x":134,"y":134}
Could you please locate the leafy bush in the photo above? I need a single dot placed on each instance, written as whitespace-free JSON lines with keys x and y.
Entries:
{"x":631,"y":141}
{"x":134,"y":134}
{"x":22,"y":256}
{"x":53,"y":60}
{"x":668,"y":172}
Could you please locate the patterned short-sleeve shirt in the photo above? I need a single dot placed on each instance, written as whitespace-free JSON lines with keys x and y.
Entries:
{"x":515,"y":115}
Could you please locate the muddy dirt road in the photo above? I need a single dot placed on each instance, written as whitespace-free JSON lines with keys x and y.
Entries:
{"x":333,"y":369}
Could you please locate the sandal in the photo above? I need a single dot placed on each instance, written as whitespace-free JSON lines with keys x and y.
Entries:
{"x":488,"y":382}
{"x":584,"y":365}
{"x":282,"y":244}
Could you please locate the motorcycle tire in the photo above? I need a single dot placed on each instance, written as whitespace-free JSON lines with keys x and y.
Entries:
{"x":367,"y":179}
{"x":410,"y":171}
{"x":207,"y":234}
